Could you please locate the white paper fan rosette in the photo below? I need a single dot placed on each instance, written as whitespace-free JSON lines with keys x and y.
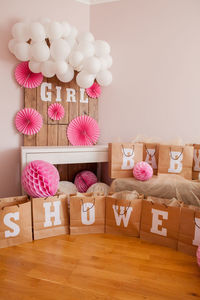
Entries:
{"x":83,"y":131}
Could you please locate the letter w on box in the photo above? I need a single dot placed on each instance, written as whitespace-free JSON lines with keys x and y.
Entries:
{"x":123,"y":216}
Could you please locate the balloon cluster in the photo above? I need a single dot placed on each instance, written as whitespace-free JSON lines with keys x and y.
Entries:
{"x":57,"y":48}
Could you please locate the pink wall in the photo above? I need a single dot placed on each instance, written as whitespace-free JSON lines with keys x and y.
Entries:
{"x":156,"y":71}
{"x":156,"y":87}
{"x":11,"y":94}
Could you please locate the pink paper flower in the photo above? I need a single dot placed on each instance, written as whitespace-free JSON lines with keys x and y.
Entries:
{"x":84,"y":180}
{"x":56,"y":111}
{"x":82,"y":131}
{"x":28,"y":121}
{"x":25,"y":77}
{"x":94,"y":91}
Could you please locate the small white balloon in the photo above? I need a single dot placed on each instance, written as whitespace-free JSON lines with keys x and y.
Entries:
{"x":104,"y":78}
{"x":22,"y":51}
{"x":37,"y":32}
{"x":59,"y":49}
{"x":34,"y":66}
{"x":86,"y":48}
{"x":84,"y":79}
{"x":11,"y":45}
{"x":109,"y":60}
{"x":55,"y":30}
{"x":104,"y":63}
{"x":102,"y":48}
{"x":66,"y":29}
{"x":68,"y":76}
{"x":40,"y":51}
{"x":61,"y":67}
{"x":92,"y":65}
{"x":72,"y":42}
{"x":20,"y":32}
{"x":45,"y":22}
{"x":76,"y":58}
{"x":85,"y":37}
{"x":73,"y":32}
{"x":48,"y":68}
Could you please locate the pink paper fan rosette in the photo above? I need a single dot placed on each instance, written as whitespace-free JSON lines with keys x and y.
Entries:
{"x":56,"y":111}
{"x":26,"y":78}
{"x":94,"y":91}
{"x":28,"y":121}
{"x":82,"y":131}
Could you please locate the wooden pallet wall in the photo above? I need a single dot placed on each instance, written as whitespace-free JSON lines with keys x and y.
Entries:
{"x":53,"y":133}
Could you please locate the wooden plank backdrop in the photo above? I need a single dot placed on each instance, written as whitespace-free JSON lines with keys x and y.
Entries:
{"x":53,"y":133}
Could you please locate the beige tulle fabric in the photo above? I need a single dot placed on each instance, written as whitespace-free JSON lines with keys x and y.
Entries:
{"x":162,"y":186}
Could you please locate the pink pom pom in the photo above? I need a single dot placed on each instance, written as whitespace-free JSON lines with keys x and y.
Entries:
{"x":28,"y":121}
{"x":142,"y":171}
{"x":40,"y":179}
{"x":198,"y":256}
{"x":56,"y":111}
{"x":84,"y":180}
{"x":94,"y":91}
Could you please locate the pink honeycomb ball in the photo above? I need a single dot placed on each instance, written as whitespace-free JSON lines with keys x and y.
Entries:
{"x":40,"y":179}
{"x":142,"y":171}
{"x":198,"y":256}
{"x":84,"y":180}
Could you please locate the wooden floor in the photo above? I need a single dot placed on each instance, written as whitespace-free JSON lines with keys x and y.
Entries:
{"x":92,"y":267}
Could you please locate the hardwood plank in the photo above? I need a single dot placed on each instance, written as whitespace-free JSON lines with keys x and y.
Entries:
{"x":98,"y":266}
{"x":52,"y":135}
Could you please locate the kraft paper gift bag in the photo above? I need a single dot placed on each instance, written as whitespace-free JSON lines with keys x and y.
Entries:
{"x":176,"y":160}
{"x":150,"y":155}
{"x":15,"y":221}
{"x":123,"y":213}
{"x":189,"y":232}
{"x":50,"y":216}
{"x":160,"y":221}
{"x":87,"y":214}
{"x":123,"y":157}
{"x":196,"y":162}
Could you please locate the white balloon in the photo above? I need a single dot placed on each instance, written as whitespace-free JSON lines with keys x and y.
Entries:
{"x":76,"y":58}
{"x":34,"y":66}
{"x":68,"y":76}
{"x":92,"y":65}
{"x":48,"y":68}
{"x":79,"y":68}
{"x":66,"y":29}
{"x":22,"y":51}
{"x":84,"y":79}
{"x":109,"y":60}
{"x":55,"y":30}
{"x":72,"y":42}
{"x":40,"y":51}
{"x":104,"y":63}
{"x":73,"y":32}
{"x":11,"y":45}
{"x":20,"y":32}
{"x":86,"y":48}
{"x":59,"y":49}
{"x":85,"y":37}
{"x":102,"y":48}
{"x":45,"y":22}
{"x":61,"y":67}
{"x":104,"y":78}
{"x":37,"y":32}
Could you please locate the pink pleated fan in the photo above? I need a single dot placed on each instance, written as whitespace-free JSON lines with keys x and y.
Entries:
{"x":94,"y":91}
{"x":28,"y":121}
{"x":25,"y":77}
{"x":56,"y":111}
{"x":83,"y":131}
